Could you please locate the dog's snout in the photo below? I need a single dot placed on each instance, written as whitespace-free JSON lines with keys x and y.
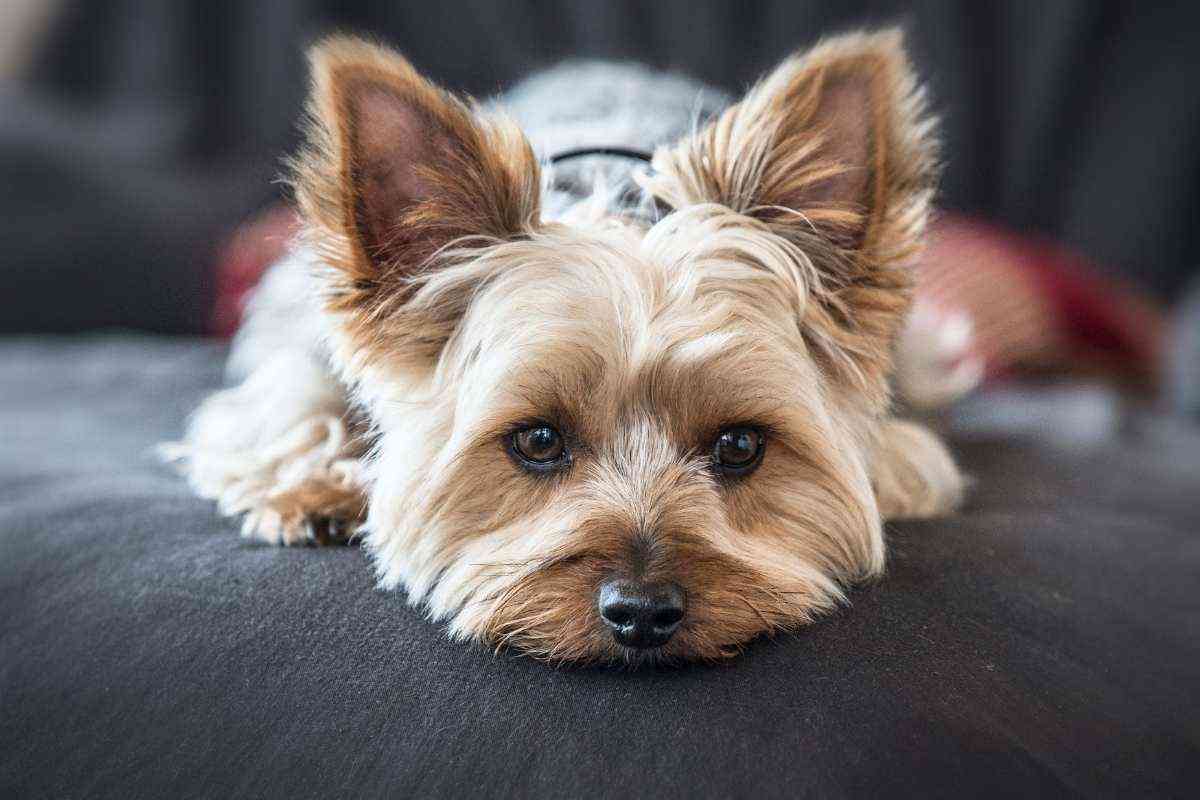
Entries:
{"x":641,"y":615}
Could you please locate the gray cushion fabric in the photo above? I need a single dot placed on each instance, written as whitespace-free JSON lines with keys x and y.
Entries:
{"x":1047,"y":642}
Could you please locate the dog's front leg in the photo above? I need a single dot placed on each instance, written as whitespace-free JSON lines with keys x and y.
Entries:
{"x":282,"y":450}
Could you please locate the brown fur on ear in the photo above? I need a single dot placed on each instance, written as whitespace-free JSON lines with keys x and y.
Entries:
{"x":835,"y":152}
{"x":394,"y":170}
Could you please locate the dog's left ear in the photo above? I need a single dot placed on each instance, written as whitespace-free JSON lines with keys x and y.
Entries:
{"x":395,"y":171}
{"x":833,"y":151}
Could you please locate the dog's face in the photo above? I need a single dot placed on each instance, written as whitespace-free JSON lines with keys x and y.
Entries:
{"x":611,"y":440}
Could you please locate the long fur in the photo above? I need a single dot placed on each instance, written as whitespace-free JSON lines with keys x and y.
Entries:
{"x":448,"y":306}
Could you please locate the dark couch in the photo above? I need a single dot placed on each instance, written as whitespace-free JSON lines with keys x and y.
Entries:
{"x":1044,"y":643}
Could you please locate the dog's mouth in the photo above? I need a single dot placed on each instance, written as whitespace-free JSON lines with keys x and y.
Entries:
{"x":647,"y":657}
{"x":599,"y":610}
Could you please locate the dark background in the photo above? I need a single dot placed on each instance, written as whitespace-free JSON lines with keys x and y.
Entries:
{"x":139,"y":133}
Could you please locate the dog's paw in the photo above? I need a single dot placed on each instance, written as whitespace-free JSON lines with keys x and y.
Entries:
{"x":935,"y":359}
{"x":273,"y":528}
{"x":331,"y":531}
{"x":914,"y":475}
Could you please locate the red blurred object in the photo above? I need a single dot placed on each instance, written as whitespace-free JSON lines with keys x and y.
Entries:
{"x":1038,"y":307}
{"x":253,"y":247}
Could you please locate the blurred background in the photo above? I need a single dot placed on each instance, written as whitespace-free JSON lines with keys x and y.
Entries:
{"x":139,"y":143}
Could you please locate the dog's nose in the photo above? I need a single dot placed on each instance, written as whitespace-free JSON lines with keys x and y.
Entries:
{"x":641,"y":614}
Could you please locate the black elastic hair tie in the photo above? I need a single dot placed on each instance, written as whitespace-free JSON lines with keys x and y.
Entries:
{"x":619,"y":152}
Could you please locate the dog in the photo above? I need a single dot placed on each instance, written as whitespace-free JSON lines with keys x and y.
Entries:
{"x":596,"y":410}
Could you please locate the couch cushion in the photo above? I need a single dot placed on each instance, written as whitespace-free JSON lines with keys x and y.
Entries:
{"x":1047,"y":642}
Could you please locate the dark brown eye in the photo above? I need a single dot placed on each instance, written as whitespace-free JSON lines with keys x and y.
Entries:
{"x":539,"y":446}
{"x":738,"y":449}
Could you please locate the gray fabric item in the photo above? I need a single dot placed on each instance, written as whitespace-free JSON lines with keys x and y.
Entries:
{"x":581,"y":104}
{"x":1046,"y":643}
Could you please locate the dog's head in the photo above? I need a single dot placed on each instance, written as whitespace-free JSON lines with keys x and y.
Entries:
{"x":613,"y":440}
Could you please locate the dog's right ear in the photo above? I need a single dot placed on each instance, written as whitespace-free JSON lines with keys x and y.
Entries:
{"x":396,"y":170}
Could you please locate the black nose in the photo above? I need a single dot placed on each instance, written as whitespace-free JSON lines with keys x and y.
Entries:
{"x":641,"y":614}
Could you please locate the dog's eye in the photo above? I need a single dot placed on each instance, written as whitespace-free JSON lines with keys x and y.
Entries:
{"x":738,"y":449}
{"x":539,"y":446}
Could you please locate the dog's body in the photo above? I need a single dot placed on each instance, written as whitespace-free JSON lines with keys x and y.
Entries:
{"x":572,"y":415}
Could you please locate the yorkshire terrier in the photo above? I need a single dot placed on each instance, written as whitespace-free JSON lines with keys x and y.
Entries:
{"x":604,"y":408}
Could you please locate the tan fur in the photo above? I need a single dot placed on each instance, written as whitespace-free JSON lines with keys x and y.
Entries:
{"x":376,"y":126}
{"x":914,"y":475}
{"x":834,"y":153}
{"x":771,"y":296}
{"x":280,"y":449}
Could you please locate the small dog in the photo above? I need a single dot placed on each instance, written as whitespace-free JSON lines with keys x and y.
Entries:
{"x":645,"y":419}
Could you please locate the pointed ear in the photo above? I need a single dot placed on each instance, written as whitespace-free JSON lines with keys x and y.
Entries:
{"x":395,"y":169}
{"x":835,"y":152}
